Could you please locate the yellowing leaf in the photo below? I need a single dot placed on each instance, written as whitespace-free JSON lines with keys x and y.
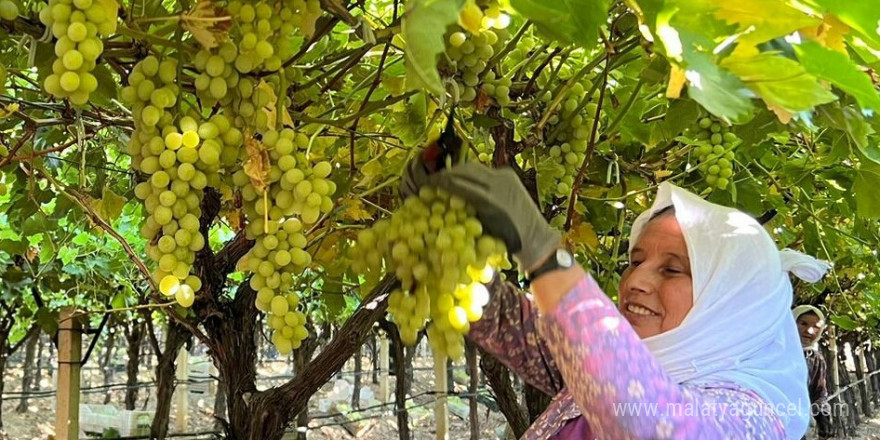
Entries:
{"x":354,"y":210}
{"x":662,"y":174}
{"x":582,"y":235}
{"x":783,"y":116}
{"x":8,"y":110}
{"x":207,"y":23}
{"x":329,"y":250}
{"x":829,"y":33}
{"x":257,"y":164}
{"x":471,"y":17}
{"x":109,"y":207}
{"x":676,"y":82}
{"x":763,"y":20}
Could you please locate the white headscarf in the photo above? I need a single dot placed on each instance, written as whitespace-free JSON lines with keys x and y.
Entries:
{"x":806,"y":308}
{"x":740,"y":328}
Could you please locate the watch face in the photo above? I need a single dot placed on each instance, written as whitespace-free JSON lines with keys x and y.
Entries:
{"x":564,"y":258}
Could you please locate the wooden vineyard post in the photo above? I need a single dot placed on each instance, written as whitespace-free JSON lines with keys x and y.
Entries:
{"x":441,"y":406}
{"x":832,"y":347}
{"x":69,"y":365}
{"x":182,"y":390}
{"x":383,"y":367}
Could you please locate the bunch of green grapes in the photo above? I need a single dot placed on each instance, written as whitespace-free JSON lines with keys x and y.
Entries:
{"x":485,"y":150}
{"x":77,"y":26}
{"x":179,"y":161}
{"x":8,"y":10}
{"x":435,"y":246}
{"x":715,"y":149}
{"x":497,"y":88}
{"x":568,"y":133}
{"x":296,"y":192}
{"x":259,"y":42}
{"x":468,"y":55}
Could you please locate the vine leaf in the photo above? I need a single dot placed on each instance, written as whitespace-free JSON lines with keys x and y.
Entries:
{"x":257,"y":164}
{"x":760,"y":20}
{"x":838,"y":69}
{"x":354,"y":210}
{"x":109,"y":207}
{"x":582,"y":235}
{"x":423,"y":28}
{"x":569,"y":21}
{"x":207,"y":23}
{"x":781,"y":82}
{"x":865,"y":190}
{"x":676,"y":82}
{"x":830,"y":33}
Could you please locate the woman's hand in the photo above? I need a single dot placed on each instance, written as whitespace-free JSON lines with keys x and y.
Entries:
{"x":503,"y":205}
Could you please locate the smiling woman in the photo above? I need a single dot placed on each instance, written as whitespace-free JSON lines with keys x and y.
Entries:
{"x":656,"y":365}
{"x":656,"y":290}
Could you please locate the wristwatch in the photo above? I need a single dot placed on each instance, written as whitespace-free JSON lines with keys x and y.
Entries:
{"x":560,"y":260}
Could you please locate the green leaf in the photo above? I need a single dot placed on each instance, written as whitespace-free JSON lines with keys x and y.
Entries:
{"x":837,"y":68}
{"x":37,"y":224}
{"x":569,"y":21}
{"x":844,"y":322}
{"x":423,"y":28}
{"x":14,"y":247}
{"x":779,"y":81}
{"x":719,"y":92}
{"x":865,"y":191}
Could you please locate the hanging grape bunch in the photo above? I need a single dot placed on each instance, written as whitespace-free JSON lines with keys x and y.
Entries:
{"x":258,"y":42}
{"x":567,"y":132}
{"x":469,"y":48}
{"x":715,"y":150}
{"x":435,"y":246}
{"x":77,"y":27}
{"x":295,"y":193}
{"x":179,"y":161}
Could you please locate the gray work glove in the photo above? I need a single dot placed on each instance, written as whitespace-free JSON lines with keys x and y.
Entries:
{"x":503,"y":205}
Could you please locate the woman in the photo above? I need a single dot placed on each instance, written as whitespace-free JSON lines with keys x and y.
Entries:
{"x":702,"y":345}
{"x":811,"y":323}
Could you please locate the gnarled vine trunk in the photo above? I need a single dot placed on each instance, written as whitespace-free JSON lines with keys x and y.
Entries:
{"x":134,"y":335}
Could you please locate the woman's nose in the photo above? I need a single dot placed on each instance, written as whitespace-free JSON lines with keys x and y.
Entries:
{"x":640,"y":281}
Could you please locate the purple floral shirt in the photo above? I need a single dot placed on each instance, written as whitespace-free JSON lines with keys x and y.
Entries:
{"x":606,"y":383}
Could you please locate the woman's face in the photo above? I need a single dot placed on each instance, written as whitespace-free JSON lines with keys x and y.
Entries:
{"x":656,"y":292}
{"x":809,"y":328}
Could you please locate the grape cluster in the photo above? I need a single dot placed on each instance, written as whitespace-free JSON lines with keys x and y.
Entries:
{"x":179,"y":161}
{"x":569,"y":131}
{"x":436,"y":248}
{"x":8,"y":10}
{"x":497,"y":88}
{"x":77,"y":26}
{"x":259,"y":42}
{"x":294,"y":194}
{"x":468,"y":55}
{"x":715,"y":149}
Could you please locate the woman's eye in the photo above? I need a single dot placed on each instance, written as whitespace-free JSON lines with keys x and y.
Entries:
{"x":673,"y":270}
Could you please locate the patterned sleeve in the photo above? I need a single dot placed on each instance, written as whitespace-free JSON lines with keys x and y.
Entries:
{"x":623,"y":391}
{"x":508,"y":331}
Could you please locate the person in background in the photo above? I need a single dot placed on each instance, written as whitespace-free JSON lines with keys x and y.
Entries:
{"x":811,"y":323}
{"x":702,"y":344}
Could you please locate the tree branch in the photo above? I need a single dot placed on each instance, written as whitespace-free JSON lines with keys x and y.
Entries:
{"x":232,"y":251}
